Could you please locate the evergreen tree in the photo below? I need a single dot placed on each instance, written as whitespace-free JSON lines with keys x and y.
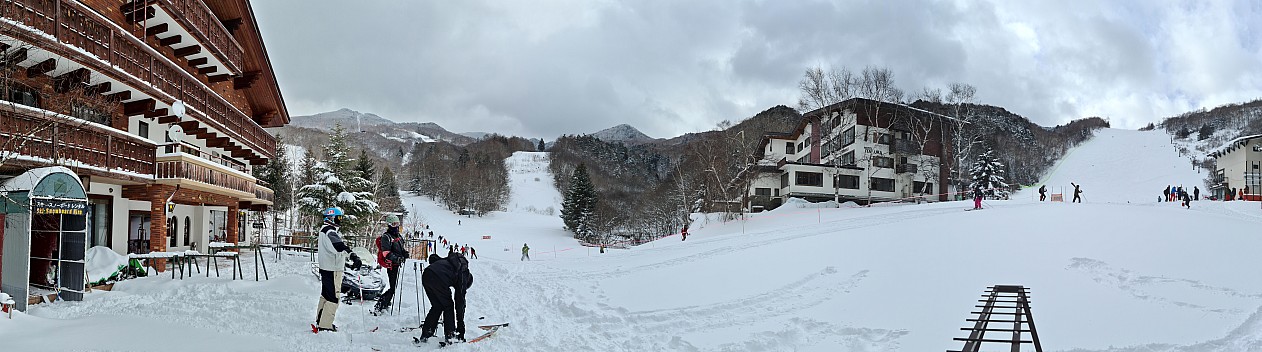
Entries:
{"x":580,"y":203}
{"x":276,"y":174}
{"x":365,"y":167}
{"x":388,"y":191}
{"x":336,"y":183}
{"x":1205,"y":132}
{"x":309,"y":209}
{"x":1183,"y":133}
{"x":987,"y":175}
{"x":541,"y":145}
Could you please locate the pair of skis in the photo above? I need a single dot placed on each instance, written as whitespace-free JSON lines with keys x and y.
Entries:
{"x":489,"y":330}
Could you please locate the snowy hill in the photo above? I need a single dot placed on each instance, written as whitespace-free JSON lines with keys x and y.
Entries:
{"x":622,"y":133}
{"x":346,"y":117}
{"x":1105,"y":275}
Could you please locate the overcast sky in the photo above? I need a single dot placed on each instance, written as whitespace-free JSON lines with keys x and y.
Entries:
{"x":542,"y":68}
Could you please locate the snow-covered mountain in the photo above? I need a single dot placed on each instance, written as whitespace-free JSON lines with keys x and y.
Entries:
{"x":622,"y":133}
{"x":348,"y":118}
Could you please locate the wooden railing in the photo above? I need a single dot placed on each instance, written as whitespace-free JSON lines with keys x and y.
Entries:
{"x":55,"y":139}
{"x":201,"y":22}
{"x":184,"y":169}
{"x":194,"y":151}
{"x":264,"y":193}
{"x":73,"y":25}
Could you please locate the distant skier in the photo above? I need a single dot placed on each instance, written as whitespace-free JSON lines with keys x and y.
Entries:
{"x":684,"y":234}
{"x":331,"y":259}
{"x":977,"y":197}
{"x":390,"y":255}
{"x":525,"y":252}
{"x":1187,"y":201}
{"x":1196,"y":192}
{"x":473,"y":253}
{"x":1077,"y":193}
{"x":443,"y":276}
{"x":1042,"y":193}
{"x":1166,"y":194}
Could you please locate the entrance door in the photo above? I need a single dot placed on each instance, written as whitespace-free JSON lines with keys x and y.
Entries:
{"x":218,"y":226}
{"x":138,"y":234}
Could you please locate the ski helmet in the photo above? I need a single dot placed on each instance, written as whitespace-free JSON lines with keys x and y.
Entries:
{"x":391,"y":219}
{"x":333,"y":211}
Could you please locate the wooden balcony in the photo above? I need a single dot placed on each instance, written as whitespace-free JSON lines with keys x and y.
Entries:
{"x":44,"y":138}
{"x":95,"y":42}
{"x":202,"y":23}
{"x":196,"y":173}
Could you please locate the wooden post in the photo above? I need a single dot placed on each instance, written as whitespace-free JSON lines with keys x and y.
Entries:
{"x":158,"y":223}
{"x":233,"y":209}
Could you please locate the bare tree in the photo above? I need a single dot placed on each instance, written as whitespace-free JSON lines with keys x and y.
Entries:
{"x":728,"y":160}
{"x":877,"y":84}
{"x":962,"y":138}
{"x":822,"y":88}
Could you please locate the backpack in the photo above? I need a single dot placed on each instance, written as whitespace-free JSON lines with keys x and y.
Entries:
{"x":461,"y":264}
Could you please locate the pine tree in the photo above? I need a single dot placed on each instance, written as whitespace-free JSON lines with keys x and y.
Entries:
{"x":388,"y":191}
{"x":987,"y":175}
{"x":1205,"y":132}
{"x":277,"y":175}
{"x":365,"y":166}
{"x":336,"y":183}
{"x":541,"y":145}
{"x":580,"y":203}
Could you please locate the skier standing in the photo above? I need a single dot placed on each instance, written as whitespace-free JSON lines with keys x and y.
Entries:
{"x":1042,"y":193}
{"x":332,"y":262}
{"x":977,"y":197}
{"x":1196,"y":192}
{"x":525,"y":252}
{"x":1077,"y":193}
{"x":1167,"y":194}
{"x":391,"y":255}
{"x":473,"y":253}
{"x":439,"y":279}
{"x":684,"y":234}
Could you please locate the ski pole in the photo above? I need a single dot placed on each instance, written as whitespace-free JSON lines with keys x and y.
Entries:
{"x":417,"y":284}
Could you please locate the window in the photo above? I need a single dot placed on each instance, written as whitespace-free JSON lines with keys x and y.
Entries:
{"x":804,"y":159}
{"x":23,"y":95}
{"x":882,"y":161}
{"x":882,"y":184}
{"x":809,"y":179}
{"x":885,"y":138}
{"x":788,"y":148}
{"x":777,"y":192}
{"x":762,"y":192}
{"x":784,"y":180}
{"x":846,"y":181}
{"x":86,"y":112}
{"x":919,"y":187}
{"x":187,"y":232}
{"x":847,"y":158}
{"x":847,"y":137}
{"x":902,"y":160}
{"x":143,"y":130}
{"x":173,"y":223}
{"x":801,"y":146}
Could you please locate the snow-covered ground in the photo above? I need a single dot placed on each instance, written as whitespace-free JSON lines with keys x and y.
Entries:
{"x":1119,"y":272}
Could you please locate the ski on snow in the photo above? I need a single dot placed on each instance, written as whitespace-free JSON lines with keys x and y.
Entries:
{"x":490,"y":330}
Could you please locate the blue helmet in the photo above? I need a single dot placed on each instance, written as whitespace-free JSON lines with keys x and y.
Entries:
{"x":333,"y":211}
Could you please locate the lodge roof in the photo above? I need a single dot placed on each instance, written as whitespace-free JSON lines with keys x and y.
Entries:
{"x":1233,"y":145}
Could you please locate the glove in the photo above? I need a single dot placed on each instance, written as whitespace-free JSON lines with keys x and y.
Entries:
{"x":355,"y":262}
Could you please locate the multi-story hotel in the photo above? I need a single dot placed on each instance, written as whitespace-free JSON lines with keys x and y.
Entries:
{"x":855,"y":150}
{"x":1239,"y":165}
{"x":144,"y":117}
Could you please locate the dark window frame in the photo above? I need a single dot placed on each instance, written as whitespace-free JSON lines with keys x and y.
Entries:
{"x":875,"y":182}
{"x":809,"y":179}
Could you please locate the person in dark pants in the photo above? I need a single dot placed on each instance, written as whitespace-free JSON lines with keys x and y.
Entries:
{"x":391,"y":255}
{"x":1196,"y":192}
{"x":1042,"y":193}
{"x":1166,"y":194}
{"x":331,"y":258}
{"x":1077,"y":193}
{"x":1187,"y":201}
{"x":439,"y":280}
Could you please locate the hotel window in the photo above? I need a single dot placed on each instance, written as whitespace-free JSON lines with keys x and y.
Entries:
{"x":143,"y":129}
{"x":762,"y":192}
{"x":919,"y":187}
{"x":187,"y":231}
{"x":86,"y":112}
{"x":784,"y":180}
{"x":847,"y":137}
{"x":847,"y":158}
{"x":172,"y":224}
{"x":885,"y":138}
{"x":788,"y":148}
{"x":847,"y":181}
{"x":809,"y":179}
{"x":882,"y":161}
{"x":23,"y":95}
{"x":882,"y":184}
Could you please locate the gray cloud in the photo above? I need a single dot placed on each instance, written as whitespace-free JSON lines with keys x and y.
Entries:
{"x":551,"y":67}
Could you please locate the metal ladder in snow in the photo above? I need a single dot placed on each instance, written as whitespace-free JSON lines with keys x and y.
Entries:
{"x":1009,"y":307}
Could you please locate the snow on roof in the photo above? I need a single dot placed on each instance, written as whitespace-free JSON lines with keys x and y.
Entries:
{"x":28,"y":180}
{"x":1230,"y":146}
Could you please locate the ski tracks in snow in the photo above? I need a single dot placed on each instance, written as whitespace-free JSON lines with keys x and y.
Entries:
{"x":1151,"y":287}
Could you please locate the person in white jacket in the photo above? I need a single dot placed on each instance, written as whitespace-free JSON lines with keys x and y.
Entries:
{"x":331,"y":257}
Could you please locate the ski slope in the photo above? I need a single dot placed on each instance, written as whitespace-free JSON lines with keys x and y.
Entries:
{"x":1105,"y":275}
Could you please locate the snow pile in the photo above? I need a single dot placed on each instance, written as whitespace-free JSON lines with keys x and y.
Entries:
{"x":103,"y":263}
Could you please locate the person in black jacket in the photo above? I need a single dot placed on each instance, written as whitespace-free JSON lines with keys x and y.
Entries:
{"x":390,"y":255}
{"x":1077,"y":193}
{"x":440,"y":279}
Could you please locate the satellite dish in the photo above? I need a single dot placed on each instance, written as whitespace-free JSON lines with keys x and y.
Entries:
{"x":177,"y":108}
{"x":176,"y":133}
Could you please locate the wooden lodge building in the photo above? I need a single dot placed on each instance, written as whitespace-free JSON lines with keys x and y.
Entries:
{"x":843,"y":151}
{"x":156,"y":107}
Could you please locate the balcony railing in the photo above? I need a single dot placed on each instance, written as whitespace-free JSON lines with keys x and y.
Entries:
{"x":264,"y":193}
{"x":184,"y":169}
{"x":73,"y":25}
{"x":201,"y":22}
{"x":52,"y":138}
{"x":907,"y":168}
{"x":171,"y":148}
{"x":904,"y":146}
